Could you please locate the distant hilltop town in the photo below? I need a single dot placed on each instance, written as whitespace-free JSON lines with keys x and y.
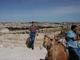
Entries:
{"x":24,"y":26}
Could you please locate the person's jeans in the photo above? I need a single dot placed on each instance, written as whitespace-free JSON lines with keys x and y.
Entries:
{"x":32,"y":37}
{"x":73,"y":53}
{"x":78,"y":52}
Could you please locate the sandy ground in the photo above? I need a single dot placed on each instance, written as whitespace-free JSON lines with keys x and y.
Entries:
{"x":22,"y":53}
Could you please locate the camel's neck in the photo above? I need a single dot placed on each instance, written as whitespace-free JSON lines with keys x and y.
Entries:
{"x":51,"y":53}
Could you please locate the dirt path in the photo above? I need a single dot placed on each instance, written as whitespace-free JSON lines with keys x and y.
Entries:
{"x":20,"y":53}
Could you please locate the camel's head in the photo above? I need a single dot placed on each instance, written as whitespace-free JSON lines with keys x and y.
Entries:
{"x":48,"y":42}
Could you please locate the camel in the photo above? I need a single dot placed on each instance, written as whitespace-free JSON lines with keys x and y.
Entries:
{"x":55,"y":49}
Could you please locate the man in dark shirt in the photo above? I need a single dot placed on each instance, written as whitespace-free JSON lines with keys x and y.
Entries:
{"x":33,"y":30}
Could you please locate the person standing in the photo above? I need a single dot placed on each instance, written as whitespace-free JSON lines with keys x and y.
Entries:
{"x":78,"y":40}
{"x":72,"y":43}
{"x":33,"y":30}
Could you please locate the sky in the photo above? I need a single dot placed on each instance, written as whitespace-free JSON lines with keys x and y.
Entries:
{"x":40,"y":10}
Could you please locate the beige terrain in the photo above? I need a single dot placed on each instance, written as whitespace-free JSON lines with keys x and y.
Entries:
{"x":13,"y":38}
